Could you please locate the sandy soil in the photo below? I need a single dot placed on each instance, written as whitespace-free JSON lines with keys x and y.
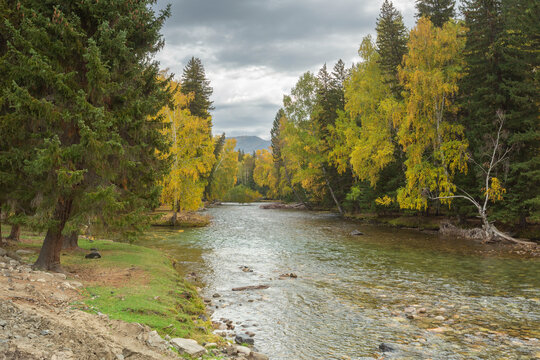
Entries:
{"x":38,"y":320}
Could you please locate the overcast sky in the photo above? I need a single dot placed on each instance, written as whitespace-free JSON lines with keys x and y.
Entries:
{"x":255,"y":50}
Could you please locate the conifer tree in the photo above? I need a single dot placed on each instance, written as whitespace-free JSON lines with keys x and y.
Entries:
{"x":275,"y":139}
{"x":391,"y":43}
{"x":81,"y":82}
{"x":194,"y":81}
{"x":438,"y":11}
{"x":520,"y":45}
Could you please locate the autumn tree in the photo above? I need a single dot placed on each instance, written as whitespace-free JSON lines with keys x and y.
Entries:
{"x":83,"y":85}
{"x":194,"y":82}
{"x":266,"y":174}
{"x":225,"y":171}
{"x":438,"y":11}
{"x":391,"y":44}
{"x":191,"y":154}
{"x":432,"y":139}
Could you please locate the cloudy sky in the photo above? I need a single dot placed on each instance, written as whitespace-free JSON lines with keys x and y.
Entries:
{"x":255,"y":50}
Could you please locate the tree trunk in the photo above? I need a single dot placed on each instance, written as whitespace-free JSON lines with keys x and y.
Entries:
{"x":49,"y":256}
{"x":1,"y":240}
{"x":15,"y":234}
{"x":332,"y":192}
{"x":173,"y":218}
{"x":71,"y":241}
{"x":298,"y":197}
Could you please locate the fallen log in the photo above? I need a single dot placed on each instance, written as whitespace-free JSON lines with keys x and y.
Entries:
{"x":252,"y":287}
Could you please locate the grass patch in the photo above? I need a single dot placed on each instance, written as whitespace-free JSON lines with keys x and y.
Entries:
{"x":138,"y":284}
{"x":134,"y":284}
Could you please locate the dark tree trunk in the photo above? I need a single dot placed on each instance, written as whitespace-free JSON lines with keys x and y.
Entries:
{"x":71,"y":241}
{"x":332,"y":192}
{"x":1,"y":240}
{"x":49,"y":256}
{"x":15,"y":233}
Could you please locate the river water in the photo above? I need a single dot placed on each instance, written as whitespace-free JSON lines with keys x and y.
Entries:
{"x":355,"y":292}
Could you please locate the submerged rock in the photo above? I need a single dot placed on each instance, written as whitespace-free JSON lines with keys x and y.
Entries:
{"x":356,"y":233}
{"x":386,"y":347}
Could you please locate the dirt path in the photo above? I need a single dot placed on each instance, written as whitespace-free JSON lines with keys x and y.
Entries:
{"x":38,"y":321}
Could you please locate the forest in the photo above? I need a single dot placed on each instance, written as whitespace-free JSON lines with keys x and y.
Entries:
{"x":441,"y":119}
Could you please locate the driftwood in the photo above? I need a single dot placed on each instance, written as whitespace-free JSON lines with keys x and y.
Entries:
{"x":283,"y":206}
{"x":252,"y":287}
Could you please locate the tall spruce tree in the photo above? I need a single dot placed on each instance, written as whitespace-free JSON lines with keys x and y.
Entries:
{"x":194,"y":82}
{"x":438,"y":11}
{"x":275,"y":139}
{"x":391,"y":43}
{"x":81,"y":82}
{"x":520,"y":46}
{"x":482,"y":91}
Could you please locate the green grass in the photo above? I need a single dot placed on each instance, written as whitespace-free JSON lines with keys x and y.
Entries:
{"x":133,"y":283}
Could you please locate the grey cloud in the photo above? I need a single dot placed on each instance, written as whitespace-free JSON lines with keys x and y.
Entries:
{"x":286,"y":37}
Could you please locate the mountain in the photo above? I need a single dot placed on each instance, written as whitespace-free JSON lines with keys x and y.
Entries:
{"x":249,"y":144}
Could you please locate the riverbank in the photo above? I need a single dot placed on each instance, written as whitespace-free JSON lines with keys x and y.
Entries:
{"x":184,"y":219}
{"x":131,"y":299}
{"x":530,"y":232}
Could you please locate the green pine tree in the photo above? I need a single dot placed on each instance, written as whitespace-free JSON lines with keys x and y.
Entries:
{"x":520,"y":46}
{"x":391,"y":43}
{"x":438,"y":11}
{"x":194,"y":82}
{"x":275,"y":139}
{"x":81,"y":83}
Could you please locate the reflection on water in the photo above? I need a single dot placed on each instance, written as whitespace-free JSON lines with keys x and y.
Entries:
{"x":352,"y":293}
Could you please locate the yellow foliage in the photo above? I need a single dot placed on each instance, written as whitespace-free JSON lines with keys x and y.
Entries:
{"x":384,"y":201}
{"x":191,"y":154}
{"x":265,"y":173}
{"x":225,"y":171}
{"x":434,"y":145}
{"x":496,"y":190}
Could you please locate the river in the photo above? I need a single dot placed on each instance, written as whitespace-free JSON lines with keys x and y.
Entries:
{"x":355,"y":292}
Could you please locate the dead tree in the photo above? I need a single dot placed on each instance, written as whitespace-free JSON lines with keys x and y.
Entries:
{"x":497,"y":155}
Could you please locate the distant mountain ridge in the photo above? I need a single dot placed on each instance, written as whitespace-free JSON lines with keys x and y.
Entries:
{"x":249,"y":144}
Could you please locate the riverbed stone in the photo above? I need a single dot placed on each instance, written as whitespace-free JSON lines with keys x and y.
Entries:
{"x":439,"y":318}
{"x":243,"y":350}
{"x":257,"y":356}
{"x":384,"y":347}
{"x":188,"y":346}
{"x":356,"y":233}
{"x":244,"y":339}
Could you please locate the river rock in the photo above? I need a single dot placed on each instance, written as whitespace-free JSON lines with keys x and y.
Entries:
{"x":22,"y":252}
{"x":244,"y":339}
{"x":356,"y":233}
{"x":257,"y":356}
{"x":188,"y":346}
{"x":439,"y":318}
{"x":93,"y":255}
{"x":243,"y":350}
{"x":2,"y":252}
{"x":386,"y":347}
{"x":154,"y":340}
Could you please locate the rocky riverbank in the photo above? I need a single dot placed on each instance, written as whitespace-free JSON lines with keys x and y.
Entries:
{"x":41,"y":318}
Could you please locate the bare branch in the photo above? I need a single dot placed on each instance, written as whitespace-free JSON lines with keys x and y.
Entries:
{"x":470,"y":199}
